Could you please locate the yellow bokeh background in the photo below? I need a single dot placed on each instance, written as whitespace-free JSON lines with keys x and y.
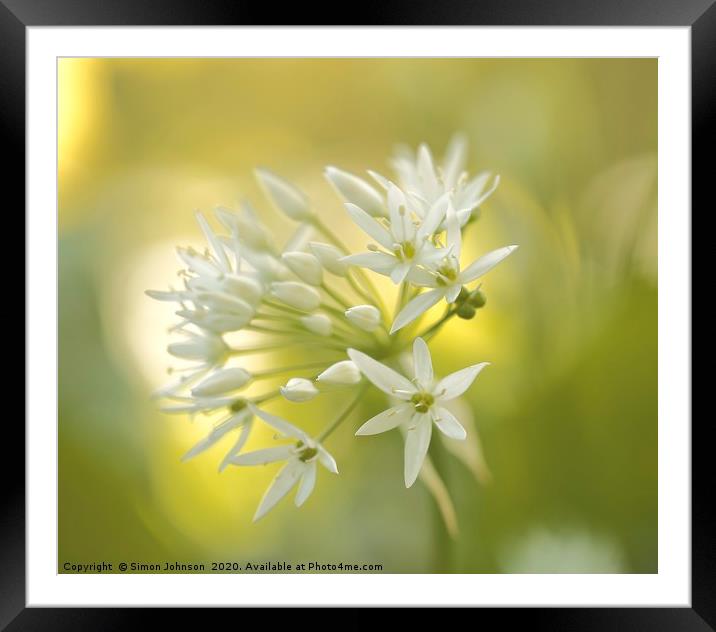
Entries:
{"x":566,"y":414}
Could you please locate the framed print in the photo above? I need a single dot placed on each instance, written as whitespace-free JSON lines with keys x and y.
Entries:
{"x":385,"y":315}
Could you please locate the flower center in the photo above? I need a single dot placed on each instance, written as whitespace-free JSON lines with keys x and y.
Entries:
{"x":307,"y":453}
{"x":422,"y":401}
{"x":447,"y":273}
{"x":405,"y":251}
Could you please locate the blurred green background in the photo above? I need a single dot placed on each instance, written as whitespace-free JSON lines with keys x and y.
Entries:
{"x":567,"y":413}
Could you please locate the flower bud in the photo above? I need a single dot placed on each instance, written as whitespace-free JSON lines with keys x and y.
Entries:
{"x":329,"y":257}
{"x":318,"y":324}
{"x":466,"y":311}
{"x":245,"y":287}
{"x":285,"y":197}
{"x":222,"y":381}
{"x":295,"y":294}
{"x":477,"y":298}
{"x":344,"y":372}
{"x":299,"y":389}
{"x":208,"y":348}
{"x":357,"y":191}
{"x":367,"y":317}
{"x":222,"y":302}
{"x":246,"y":224}
{"x":305,"y":266}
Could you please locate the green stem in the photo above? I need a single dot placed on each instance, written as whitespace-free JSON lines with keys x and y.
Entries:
{"x":289,"y":369}
{"x":364,"y":277}
{"x":343,"y":416}
{"x":435,"y":327}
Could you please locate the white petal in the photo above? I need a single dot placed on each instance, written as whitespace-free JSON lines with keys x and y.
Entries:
{"x":214,"y":241}
{"x":452,"y":293}
{"x":236,"y":448}
{"x":284,"y":427}
{"x":370,"y":226}
{"x":326,"y":460}
{"x":417,"y":442}
{"x":387,"y":420}
{"x":281,"y":485}
{"x":419,"y":305}
{"x":426,"y":170}
{"x":356,"y":190}
{"x":457,"y":383}
{"x":382,"y":376}
{"x":423,"y":363}
{"x":381,"y":180}
{"x":454,"y":161}
{"x":399,"y":272}
{"x":434,"y":217}
{"x":448,"y":424}
{"x":485,"y":263}
{"x":396,"y":209}
{"x":454,"y":237}
{"x":308,"y":482}
{"x":379,"y":262}
{"x":263,"y":457}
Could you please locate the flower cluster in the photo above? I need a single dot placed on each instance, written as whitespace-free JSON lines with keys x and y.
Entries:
{"x":314,"y":294}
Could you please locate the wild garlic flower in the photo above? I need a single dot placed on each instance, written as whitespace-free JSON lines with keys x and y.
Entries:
{"x":425,"y":182}
{"x":421,"y":399}
{"x":313,"y":299}
{"x":301,"y":457}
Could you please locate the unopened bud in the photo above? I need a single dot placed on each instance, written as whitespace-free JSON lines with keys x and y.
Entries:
{"x":222,"y":381}
{"x":305,"y":266}
{"x":477,"y":298}
{"x":330,"y":257}
{"x":343,"y":373}
{"x":357,"y":191}
{"x":286,"y":197}
{"x":367,"y":317}
{"x":298,"y":295}
{"x":318,"y":324}
{"x":299,"y":389}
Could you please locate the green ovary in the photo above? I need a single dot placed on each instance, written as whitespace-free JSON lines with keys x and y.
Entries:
{"x":422,"y":402}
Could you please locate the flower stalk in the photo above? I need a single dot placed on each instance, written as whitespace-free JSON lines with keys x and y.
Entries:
{"x":321,"y":296}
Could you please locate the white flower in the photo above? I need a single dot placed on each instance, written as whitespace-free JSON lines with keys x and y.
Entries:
{"x":299,"y":389}
{"x":340,"y":373}
{"x":305,"y":266}
{"x":424,"y":182}
{"x":221,"y":382}
{"x":295,"y":294}
{"x":406,"y":243}
{"x":300,"y":467}
{"x":318,"y":324}
{"x":207,"y":347}
{"x":357,"y":191}
{"x":330,"y":257}
{"x":289,"y":300}
{"x":286,"y":197}
{"x":241,"y":419}
{"x":421,"y":406}
{"x":445,"y":276}
{"x":367,"y":317}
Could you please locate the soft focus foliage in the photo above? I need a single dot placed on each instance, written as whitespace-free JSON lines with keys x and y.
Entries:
{"x":567,"y":414}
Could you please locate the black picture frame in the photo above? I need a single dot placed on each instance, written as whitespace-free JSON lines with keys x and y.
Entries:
{"x":700,"y":15}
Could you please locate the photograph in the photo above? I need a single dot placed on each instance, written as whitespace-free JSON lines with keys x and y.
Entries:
{"x":357,"y":315}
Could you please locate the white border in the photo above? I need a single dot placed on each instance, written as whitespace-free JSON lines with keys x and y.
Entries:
{"x":671,"y":586}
